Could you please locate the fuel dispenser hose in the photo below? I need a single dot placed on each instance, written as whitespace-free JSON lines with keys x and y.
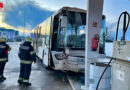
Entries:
{"x":125,"y":27}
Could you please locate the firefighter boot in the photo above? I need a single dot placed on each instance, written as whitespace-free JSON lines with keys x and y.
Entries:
{"x":1,"y":79}
{"x":4,"y":78}
{"x":20,"y":82}
{"x":26,"y":84}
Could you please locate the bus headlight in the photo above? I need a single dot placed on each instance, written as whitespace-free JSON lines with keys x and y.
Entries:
{"x":60,"y":56}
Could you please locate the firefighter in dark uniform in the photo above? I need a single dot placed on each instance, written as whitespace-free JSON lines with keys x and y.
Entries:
{"x":27,"y":56}
{"x":4,"y":48}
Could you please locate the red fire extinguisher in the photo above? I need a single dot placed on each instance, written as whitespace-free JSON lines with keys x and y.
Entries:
{"x":95,"y":41}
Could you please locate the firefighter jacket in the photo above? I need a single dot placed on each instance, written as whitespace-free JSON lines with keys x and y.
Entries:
{"x":26,"y":53}
{"x":4,"y":48}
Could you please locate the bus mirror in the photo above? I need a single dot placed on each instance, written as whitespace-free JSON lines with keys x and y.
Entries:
{"x":63,"y":21}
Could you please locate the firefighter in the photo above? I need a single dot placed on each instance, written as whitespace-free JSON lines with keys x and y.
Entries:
{"x":4,"y":48}
{"x":27,"y":56}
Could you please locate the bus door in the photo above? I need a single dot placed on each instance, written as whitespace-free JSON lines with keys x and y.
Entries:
{"x":40,"y":47}
{"x":40,"y":43}
{"x":47,"y":43}
{"x":46,"y":53}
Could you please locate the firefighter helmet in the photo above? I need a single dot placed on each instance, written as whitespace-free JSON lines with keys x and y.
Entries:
{"x":2,"y":39}
{"x":28,"y":39}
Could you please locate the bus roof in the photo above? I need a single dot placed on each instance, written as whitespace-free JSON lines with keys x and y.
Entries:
{"x":70,"y":9}
{"x":63,"y":8}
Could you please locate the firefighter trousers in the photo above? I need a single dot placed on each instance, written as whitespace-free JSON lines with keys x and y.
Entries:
{"x":2,"y":66}
{"x":25,"y":70}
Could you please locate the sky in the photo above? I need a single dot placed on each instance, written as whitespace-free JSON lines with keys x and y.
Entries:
{"x":112,"y":8}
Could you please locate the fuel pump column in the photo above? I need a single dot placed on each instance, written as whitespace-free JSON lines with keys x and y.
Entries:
{"x":121,"y":55}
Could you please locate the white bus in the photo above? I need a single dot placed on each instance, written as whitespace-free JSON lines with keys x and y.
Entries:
{"x":59,"y":41}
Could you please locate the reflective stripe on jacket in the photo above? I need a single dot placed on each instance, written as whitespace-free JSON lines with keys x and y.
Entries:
{"x":26,"y":62}
{"x":32,"y":52}
{"x":3,"y":59}
{"x":26,"y":80}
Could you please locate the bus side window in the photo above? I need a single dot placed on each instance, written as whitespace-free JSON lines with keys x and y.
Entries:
{"x":48,"y":22}
{"x":40,"y":41}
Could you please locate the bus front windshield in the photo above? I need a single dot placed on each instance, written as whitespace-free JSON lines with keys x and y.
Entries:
{"x":73,"y":36}
{"x":75,"y":33}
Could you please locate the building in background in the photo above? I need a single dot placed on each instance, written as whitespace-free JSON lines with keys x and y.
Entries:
{"x":10,"y":34}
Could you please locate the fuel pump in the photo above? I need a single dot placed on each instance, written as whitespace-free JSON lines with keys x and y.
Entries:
{"x":121,"y":55}
{"x":121,"y":59}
